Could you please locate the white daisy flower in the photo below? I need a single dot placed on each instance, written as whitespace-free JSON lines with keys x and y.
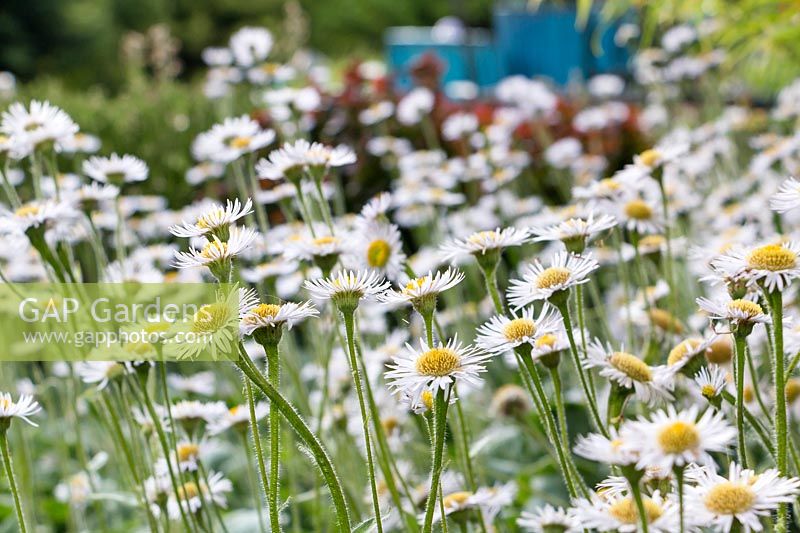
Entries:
{"x":640,"y":214}
{"x":676,"y":438}
{"x":787,"y":197}
{"x":281,"y":164}
{"x":687,"y":351}
{"x":80,"y":143}
{"x":380,"y":248}
{"x":276,"y":315}
{"x":216,"y":220}
{"x":566,"y":270}
{"x":38,"y":124}
{"x":650,"y":384}
{"x":607,"y":450}
{"x":432,"y":368}
{"x":217,"y":252}
{"x":317,"y":155}
{"x":116,"y":170}
{"x":191,"y":413}
{"x":99,"y":372}
{"x":250,"y":45}
{"x":377,"y":207}
{"x":575,"y":233}
{"x":548,"y":518}
{"x":774,"y":266}
{"x":199,"y":383}
{"x":238,"y":418}
{"x":423,"y":288}
{"x":230,"y":140}
{"x":24,"y":407}
{"x":606,"y":512}
{"x":744,"y":496}
{"x":711,"y":380}
{"x":47,"y":214}
{"x":347,"y":286}
{"x":739,"y":312}
{"x":192,"y":496}
{"x":501,"y":333}
{"x":478,"y":244}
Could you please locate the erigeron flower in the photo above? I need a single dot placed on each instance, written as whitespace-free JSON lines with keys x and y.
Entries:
{"x":44,"y":214}
{"x":380,"y":248}
{"x":187,"y":455}
{"x":24,"y":407}
{"x":501,"y":333}
{"x":217,"y":253}
{"x":459,"y":505}
{"x":773,"y":266}
{"x":606,"y":512}
{"x":38,"y":125}
{"x":237,"y":418}
{"x":511,"y":400}
{"x":744,"y":496}
{"x":267,"y":315}
{"x":116,"y":170}
{"x":192,"y":414}
{"x":204,"y":171}
{"x":549,"y":519}
{"x":324,"y":250}
{"x":607,"y":450}
{"x":566,"y":270}
{"x":434,"y":368}
{"x":711,"y":381}
{"x":192,"y":496}
{"x":459,"y":125}
{"x":250,"y":45}
{"x":421,"y":292}
{"x":376,"y":112}
{"x":415,"y":105}
{"x":230,"y":140}
{"x":684,"y":356}
{"x":671,"y":438}
{"x":640,"y":214}
{"x":650,"y":384}
{"x":575,"y":233}
{"x":99,"y":372}
{"x":347,"y":287}
{"x":197,"y":383}
{"x":216,"y":220}
{"x":742,"y":314}
{"x":659,"y":156}
{"x":484,"y":242}
{"x":787,"y":197}
{"x":319,"y":157}
{"x":281,"y":164}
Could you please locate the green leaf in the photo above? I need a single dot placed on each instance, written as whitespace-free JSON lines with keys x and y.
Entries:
{"x":364,"y":526}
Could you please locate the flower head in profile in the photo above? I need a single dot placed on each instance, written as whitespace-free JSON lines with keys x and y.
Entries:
{"x":744,"y":497}
{"x":741,"y":314}
{"x":484,"y":242}
{"x":501,"y":333}
{"x":230,"y":140}
{"x":250,"y":45}
{"x":39,"y":125}
{"x":192,"y":496}
{"x":608,"y":450}
{"x":216,"y":253}
{"x":549,"y":519}
{"x":24,"y":407}
{"x":614,"y":511}
{"x":575,"y":233}
{"x":772,"y":266}
{"x":216,"y":220}
{"x":787,"y":197}
{"x":266,"y":320}
{"x":677,"y":438}
{"x":116,"y":170}
{"x":650,"y":384}
{"x":237,"y":418}
{"x":566,"y":270}
{"x":434,"y":368}
{"x":347,"y":287}
{"x":422,"y":292}
{"x":711,"y":381}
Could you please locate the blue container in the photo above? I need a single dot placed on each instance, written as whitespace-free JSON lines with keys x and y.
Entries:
{"x":475,"y":61}
{"x":546,"y":42}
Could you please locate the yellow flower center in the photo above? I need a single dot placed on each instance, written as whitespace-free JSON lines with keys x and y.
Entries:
{"x":456,"y":499}
{"x":210,"y":318}
{"x":552,"y":277}
{"x":708,"y":391}
{"x":378,"y":253}
{"x":438,"y":362}
{"x":729,"y":498}
{"x":322,"y":241}
{"x":28,"y":210}
{"x":214,"y":249}
{"x":187,"y":451}
{"x":427,"y":399}
{"x":650,"y":158}
{"x":748,"y":393}
{"x":678,"y":437}
{"x":751,"y":309}
{"x":652,"y":241}
{"x":205,"y":221}
{"x":610,"y":184}
{"x":792,"y":389}
{"x":519,"y":329}
{"x":188,"y":490}
{"x":390,"y":424}
{"x":480,"y":237}
{"x":772,"y":257}
{"x":266,"y":310}
{"x":5,"y":403}
{"x":631,"y":366}
{"x":548,"y":340}
{"x":240,"y":142}
{"x":678,"y":353}
{"x":638,"y":210}
{"x":415,"y":284}
{"x":233,"y":410}
{"x":665,"y":320}
{"x":625,"y":511}
{"x":720,"y":351}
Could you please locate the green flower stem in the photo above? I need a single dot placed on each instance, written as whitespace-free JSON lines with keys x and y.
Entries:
{"x":273,"y":373}
{"x":241,"y":185}
{"x":490,"y":275}
{"x":779,"y":368}
{"x":636,"y":492}
{"x":277,"y":401}
{"x":739,"y":369}
{"x":162,"y":439}
{"x":120,"y":245}
{"x":251,"y":403}
{"x":762,"y":432}
{"x":561,"y":412}
{"x":793,"y":364}
{"x":582,"y":328}
{"x":324,"y":208}
{"x":679,"y":471}
{"x":349,"y":326}
{"x":305,"y":212}
{"x":10,"y":474}
{"x":261,"y":213}
{"x":563,"y":308}
{"x":546,"y":414}
{"x":440,"y":405}
{"x":11,"y":192}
